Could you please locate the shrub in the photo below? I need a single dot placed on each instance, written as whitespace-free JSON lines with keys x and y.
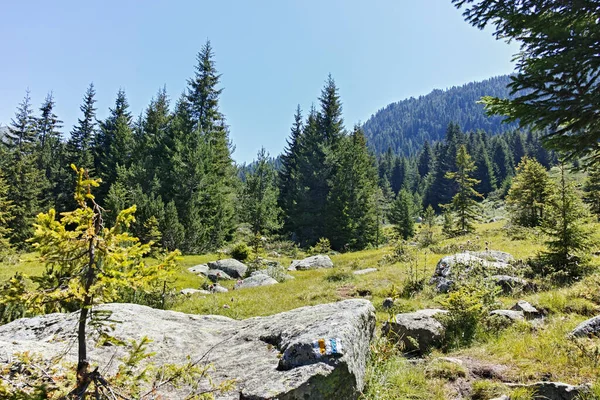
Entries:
{"x":240,"y":251}
{"x":323,"y":246}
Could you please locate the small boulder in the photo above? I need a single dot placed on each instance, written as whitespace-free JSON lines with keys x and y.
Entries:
{"x":216,"y":288}
{"x":190,"y":291}
{"x":529,"y":311}
{"x":365,"y":271}
{"x":199,"y":269}
{"x":554,"y":390}
{"x":231,"y":267}
{"x":417,"y":331}
{"x":454,"y":267}
{"x":217,"y":275}
{"x":313,"y":262}
{"x":588,"y":328}
{"x":255,"y":280}
{"x":510,"y":314}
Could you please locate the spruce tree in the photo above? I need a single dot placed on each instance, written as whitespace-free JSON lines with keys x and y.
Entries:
{"x":565,"y":223}
{"x":591,"y":190}
{"x":425,"y":161}
{"x":402,"y":214}
{"x":351,"y":212}
{"x":463,"y":205}
{"x":529,"y":193}
{"x":25,"y":180}
{"x":259,"y":197}
{"x":6,"y":216}
{"x":288,"y":173}
{"x":80,"y":146}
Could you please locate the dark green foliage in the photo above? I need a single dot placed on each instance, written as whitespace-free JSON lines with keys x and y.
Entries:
{"x":502,"y":159}
{"x":565,"y":224}
{"x":556,"y":84}
{"x":351,"y":202}
{"x":405,"y":126}
{"x":464,"y":206}
{"x":402,"y":214}
{"x":259,"y":197}
{"x":6,"y":216}
{"x":80,"y":145}
{"x":173,"y":232}
{"x":591,"y":190}
{"x":529,"y":193}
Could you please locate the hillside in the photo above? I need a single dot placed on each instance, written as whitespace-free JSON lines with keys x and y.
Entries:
{"x":405,"y":125}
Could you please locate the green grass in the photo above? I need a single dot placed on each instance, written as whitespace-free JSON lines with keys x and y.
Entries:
{"x":529,"y":353}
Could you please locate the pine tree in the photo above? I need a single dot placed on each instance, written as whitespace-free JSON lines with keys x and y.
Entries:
{"x":402,"y":214}
{"x":529,"y":193}
{"x":6,"y":216}
{"x":565,"y":224}
{"x":173,"y":232}
{"x":399,"y":175}
{"x":464,"y":206}
{"x":26,"y":182}
{"x":50,"y":158}
{"x":259,"y":197}
{"x":426,"y":233}
{"x":591,"y":190}
{"x":80,"y":148}
{"x":288,"y":174}
{"x":502,"y":160}
{"x":426,"y":160}
{"x":351,"y":210}
{"x":114,"y":143}
{"x":329,"y":120}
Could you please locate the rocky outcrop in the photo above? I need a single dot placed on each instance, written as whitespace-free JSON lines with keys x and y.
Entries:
{"x":199,"y":269}
{"x":457,"y":266}
{"x":217,"y":275}
{"x":587,"y":328}
{"x":231,"y":267}
{"x":313,"y":262}
{"x":417,"y":331}
{"x":317,"y":352}
{"x":255,"y":280}
{"x":529,"y":311}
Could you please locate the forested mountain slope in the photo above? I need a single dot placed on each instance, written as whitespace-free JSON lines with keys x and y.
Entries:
{"x":406,"y":125}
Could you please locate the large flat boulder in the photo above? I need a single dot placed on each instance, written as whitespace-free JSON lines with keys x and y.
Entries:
{"x":231,"y":267}
{"x":313,"y":262}
{"x":317,"y":352}
{"x":417,"y":331}
{"x":255,"y":280}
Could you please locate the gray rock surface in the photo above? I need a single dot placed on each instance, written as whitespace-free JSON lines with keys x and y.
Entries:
{"x":255,"y":280}
{"x":217,"y":275}
{"x":364,"y":271}
{"x":275,"y":357}
{"x":510,"y":314}
{"x":230,"y":266}
{"x":458,"y":265}
{"x":190,"y":291}
{"x":587,"y":328}
{"x":510,"y":283}
{"x":421,"y":326}
{"x":554,"y":390}
{"x":495,"y":255}
{"x":529,"y":311}
{"x":199,"y":269}
{"x":313,"y":262}
{"x":216,"y":288}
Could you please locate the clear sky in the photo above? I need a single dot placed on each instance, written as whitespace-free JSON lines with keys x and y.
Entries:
{"x":272,"y":55}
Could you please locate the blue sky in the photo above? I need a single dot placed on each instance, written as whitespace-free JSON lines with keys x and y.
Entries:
{"x":272,"y":55}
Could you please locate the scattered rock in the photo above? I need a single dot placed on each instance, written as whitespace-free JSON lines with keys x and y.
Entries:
{"x":314,"y":262}
{"x":529,"y":311}
{"x":365,"y":271}
{"x":216,"y":288}
{"x":190,"y":291}
{"x":230,"y":266}
{"x":509,"y":283}
{"x":255,"y":280}
{"x":554,"y":390}
{"x":199,"y":269}
{"x":445,"y":271}
{"x":217,"y":275}
{"x":510,"y":314}
{"x":278,"y":356}
{"x":587,"y":328}
{"x":388,"y":303}
{"x":418,"y":331}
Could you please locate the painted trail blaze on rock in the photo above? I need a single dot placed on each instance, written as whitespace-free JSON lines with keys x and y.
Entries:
{"x":328,"y":347}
